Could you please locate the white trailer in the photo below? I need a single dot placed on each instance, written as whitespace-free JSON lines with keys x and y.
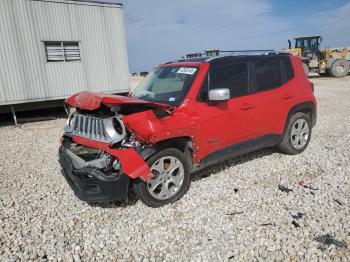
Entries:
{"x":51,"y":49}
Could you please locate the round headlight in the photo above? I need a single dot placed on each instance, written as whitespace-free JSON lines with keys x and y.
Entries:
{"x":115,"y":129}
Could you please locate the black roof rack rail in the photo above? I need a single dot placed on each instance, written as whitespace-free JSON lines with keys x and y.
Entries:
{"x":261,"y":51}
{"x":217,"y":52}
{"x":214,"y":54}
{"x":282,"y":52}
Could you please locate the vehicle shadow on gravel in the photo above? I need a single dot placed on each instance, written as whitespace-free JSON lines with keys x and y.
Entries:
{"x":217,"y":168}
{"x":206,"y":172}
{"x":131,"y":201}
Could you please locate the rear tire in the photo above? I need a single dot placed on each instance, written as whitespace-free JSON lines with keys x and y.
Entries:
{"x":339,"y":68}
{"x":297,"y":134}
{"x":170,"y":182}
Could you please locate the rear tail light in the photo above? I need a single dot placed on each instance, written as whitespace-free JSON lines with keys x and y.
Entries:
{"x":312,"y":87}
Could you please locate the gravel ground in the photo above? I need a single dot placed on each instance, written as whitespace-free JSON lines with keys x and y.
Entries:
{"x":248,"y":208}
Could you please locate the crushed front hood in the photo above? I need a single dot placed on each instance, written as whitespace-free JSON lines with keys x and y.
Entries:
{"x":92,"y":101}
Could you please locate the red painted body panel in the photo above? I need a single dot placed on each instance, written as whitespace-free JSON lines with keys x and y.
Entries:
{"x":151,"y":129}
{"x":184,"y":121}
{"x":271,"y":107}
{"x":131,"y":162}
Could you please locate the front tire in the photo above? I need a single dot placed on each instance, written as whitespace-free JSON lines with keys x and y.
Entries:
{"x":170,"y":182}
{"x":297,"y":134}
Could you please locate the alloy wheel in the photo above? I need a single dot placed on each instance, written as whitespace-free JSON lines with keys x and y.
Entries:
{"x":168,"y":177}
{"x":299,"y":134}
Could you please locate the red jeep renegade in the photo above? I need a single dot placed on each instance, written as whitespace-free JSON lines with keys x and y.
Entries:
{"x":184,"y":116}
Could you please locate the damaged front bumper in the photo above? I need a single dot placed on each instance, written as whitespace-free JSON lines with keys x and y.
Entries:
{"x":91,"y":184}
{"x":97,"y":179}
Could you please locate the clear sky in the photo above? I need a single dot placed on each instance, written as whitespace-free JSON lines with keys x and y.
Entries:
{"x":159,"y":31}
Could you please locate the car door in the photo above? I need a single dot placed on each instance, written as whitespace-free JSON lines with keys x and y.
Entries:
{"x":271,"y":94}
{"x":226,"y":123}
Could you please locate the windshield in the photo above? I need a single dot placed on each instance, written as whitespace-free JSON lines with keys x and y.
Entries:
{"x":166,"y":84}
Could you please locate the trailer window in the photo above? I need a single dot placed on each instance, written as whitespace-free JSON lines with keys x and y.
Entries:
{"x":59,"y":51}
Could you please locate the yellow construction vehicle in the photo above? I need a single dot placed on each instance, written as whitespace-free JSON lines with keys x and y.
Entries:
{"x":331,"y":61}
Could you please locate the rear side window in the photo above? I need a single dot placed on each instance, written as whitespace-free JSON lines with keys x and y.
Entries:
{"x":232,"y":76}
{"x":268,"y":74}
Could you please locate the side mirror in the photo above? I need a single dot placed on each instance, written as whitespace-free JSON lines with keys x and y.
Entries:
{"x":290,"y":44}
{"x":219,"y":94}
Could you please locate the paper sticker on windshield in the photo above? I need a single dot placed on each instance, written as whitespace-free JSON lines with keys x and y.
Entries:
{"x":187,"y":70}
{"x":171,"y":99}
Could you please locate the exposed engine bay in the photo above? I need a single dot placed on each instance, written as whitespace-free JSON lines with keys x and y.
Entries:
{"x":83,"y":157}
{"x":103,"y":125}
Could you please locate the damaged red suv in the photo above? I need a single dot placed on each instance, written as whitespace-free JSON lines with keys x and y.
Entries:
{"x":184,"y":116}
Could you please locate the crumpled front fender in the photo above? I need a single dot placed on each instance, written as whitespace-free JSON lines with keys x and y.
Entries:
{"x":131,"y":162}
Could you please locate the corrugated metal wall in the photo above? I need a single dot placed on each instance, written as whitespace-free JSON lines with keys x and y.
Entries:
{"x":25,"y":75}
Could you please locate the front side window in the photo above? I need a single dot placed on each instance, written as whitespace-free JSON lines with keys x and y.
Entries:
{"x":233,"y":76}
{"x":168,"y":84}
{"x":268,"y":74}
{"x":57,"y":51}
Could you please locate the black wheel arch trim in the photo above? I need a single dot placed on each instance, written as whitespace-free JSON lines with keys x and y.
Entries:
{"x":147,"y":152}
{"x":182,"y":143}
{"x":309,"y":105}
